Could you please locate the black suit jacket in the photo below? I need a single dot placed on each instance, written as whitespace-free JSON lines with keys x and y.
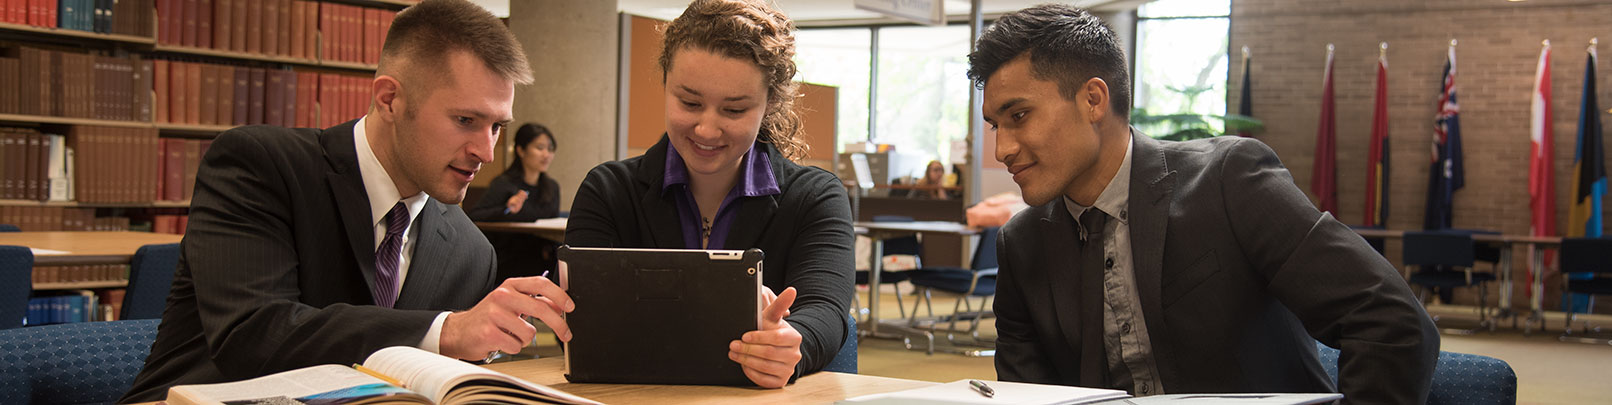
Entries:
{"x":276,"y":265}
{"x":1236,"y":272}
{"x":805,"y":232}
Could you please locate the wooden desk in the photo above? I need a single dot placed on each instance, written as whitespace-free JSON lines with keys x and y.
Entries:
{"x":85,"y":248}
{"x":547,"y":228}
{"x":1505,"y":242}
{"x":879,"y":231}
{"x":820,"y":388}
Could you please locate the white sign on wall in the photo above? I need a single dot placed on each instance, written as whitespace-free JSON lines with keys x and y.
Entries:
{"x":919,"y":11}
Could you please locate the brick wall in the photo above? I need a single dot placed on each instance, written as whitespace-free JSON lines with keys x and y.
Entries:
{"x":1499,"y":45}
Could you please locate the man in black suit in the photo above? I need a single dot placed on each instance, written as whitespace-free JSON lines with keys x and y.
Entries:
{"x":1221,"y":282}
{"x":311,"y":247}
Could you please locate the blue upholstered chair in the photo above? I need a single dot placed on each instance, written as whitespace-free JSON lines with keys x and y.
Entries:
{"x":1458,"y":379}
{"x":151,"y":274}
{"x":88,"y":362}
{"x":845,"y":360}
{"x":9,"y":228}
{"x":16,"y":282}
{"x":979,"y":280}
{"x":1586,"y":255}
{"x":1435,"y":251}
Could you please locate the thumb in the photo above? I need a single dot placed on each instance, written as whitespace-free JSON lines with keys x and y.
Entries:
{"x":779,"y":308}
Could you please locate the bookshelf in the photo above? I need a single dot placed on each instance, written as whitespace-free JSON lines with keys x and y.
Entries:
{"x":76,"y":34}
{"x":193,"y":130}
{"x":81,"y":285}
{"x":76,"y":204}
{"x":43,"y":119}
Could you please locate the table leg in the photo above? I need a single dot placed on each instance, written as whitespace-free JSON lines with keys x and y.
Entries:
{"x":873,"y":284}
{"x":1506,"y":286}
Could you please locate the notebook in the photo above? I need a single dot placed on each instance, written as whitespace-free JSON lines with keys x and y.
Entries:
{"x":959,"y":392}
{"x":658,"y":316}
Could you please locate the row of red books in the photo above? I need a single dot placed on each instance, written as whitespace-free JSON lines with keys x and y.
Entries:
{"x":71,"y":84}
{"x":179,"y":160}
{"x":79,"y":274}
{"x":113,"y":164}
{"x":127,"y":17}
{"x":98,"y":165}
{"x":50,"y":219}
{"x":209,"y":94}
{"x":26,"y":171}
{"x":290,"y":28}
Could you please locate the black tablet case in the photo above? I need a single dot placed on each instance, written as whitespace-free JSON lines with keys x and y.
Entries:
{"x":658,"y":316}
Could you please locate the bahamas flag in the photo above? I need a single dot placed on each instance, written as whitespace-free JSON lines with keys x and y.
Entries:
{"x":1589,"y":175}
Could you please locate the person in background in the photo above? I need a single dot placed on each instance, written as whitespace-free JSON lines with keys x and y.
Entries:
{"x":523,"y":193}
{"x":1223,"y":281}
{"x":724,"y":177}
{"x":933,"y":185}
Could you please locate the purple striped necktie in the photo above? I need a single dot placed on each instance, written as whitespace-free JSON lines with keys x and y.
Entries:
{"x":388,"y":256}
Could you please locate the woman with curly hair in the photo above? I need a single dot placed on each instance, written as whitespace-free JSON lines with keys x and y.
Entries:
{"x":724,"y":176}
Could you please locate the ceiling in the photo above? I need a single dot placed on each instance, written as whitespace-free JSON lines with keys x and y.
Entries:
{"x":817,"y":12}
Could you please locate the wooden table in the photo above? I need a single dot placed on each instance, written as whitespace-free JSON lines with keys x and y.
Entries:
{"x":1505,"y":242}
{"x":85,"y":248}
{"x":547,"y":228}
{"x":879,"y":231}
{"x":820,"y":388}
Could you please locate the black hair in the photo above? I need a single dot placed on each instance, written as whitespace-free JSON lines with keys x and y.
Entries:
{"x":524,"y":136}
{"x":1066,"y":44}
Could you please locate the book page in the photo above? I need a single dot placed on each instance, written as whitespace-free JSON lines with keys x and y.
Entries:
{"x":290,"y":384}
{"x":435,"y":375}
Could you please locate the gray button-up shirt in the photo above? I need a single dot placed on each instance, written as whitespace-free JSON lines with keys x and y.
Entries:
{"x":1125,"y":339}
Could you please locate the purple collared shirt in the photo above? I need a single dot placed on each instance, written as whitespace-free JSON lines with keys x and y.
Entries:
{"x":755,"y":179}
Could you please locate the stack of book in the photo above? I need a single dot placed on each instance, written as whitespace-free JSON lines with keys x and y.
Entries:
{"x":352,"y":33}
{"x":112,"y":164}
{"x":211,"y":94}
{"x":285,"y":28}
{"x":77,"y":85}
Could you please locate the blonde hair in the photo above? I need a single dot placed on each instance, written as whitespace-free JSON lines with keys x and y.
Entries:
{"x":748,"y":30}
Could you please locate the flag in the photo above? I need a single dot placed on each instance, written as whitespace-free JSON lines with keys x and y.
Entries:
{"x":1447,"y":173}
{"x":1245,"y":105}
{"x":1589,"y":163}
{"x":1541,"y":171}
{"x":1377,"y":159}
{"x":1589,"y":175}
{"x":1324,"y":178}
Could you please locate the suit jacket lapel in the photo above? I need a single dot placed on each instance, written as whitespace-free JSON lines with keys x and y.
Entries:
{"x":1076,"y":293}
{"x":426,"y":271}
{"x":347,"y":189}
{"x":1152,"y":183}
{"x":659,"y":217}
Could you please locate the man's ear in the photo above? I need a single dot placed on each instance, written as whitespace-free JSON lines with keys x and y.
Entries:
{"x":387,"y":99}
{"x":1094,"y":97}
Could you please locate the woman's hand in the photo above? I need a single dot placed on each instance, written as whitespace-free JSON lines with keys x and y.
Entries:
{"x":515,"y":202}
{"x":768,"y":356}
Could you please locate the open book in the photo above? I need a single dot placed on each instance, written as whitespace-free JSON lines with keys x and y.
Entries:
{"x":399,"y":374}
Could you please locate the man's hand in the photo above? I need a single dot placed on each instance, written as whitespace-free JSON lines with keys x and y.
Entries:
{"x":496,"y":324}
{"x":516,"y":202}
{"x":768,"y":356}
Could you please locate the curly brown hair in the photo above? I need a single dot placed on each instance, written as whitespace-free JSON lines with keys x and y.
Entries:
{"x":749,"y":30}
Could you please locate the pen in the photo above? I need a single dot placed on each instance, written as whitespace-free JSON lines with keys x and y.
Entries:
{"x":377,"y":374}
{"x":982,"y":388}
{"x":493,"y":355}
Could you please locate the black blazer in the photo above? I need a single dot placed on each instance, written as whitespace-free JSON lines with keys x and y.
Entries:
{"x":805,"y":232}
{"x":1236,"y":272}
{"x":542,"y":200}
{"x":276,"y":265}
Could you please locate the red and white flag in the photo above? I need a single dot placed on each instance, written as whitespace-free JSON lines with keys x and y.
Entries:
{"x":1541,"y":169}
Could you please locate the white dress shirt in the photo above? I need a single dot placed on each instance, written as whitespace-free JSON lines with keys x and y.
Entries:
{"x":383,"y":195}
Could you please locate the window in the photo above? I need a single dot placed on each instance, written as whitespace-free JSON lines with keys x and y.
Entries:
{"x":1181,"y":62}
{"x":839,"y":57}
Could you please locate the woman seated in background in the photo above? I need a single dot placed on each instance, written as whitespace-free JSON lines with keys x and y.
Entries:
{"x":523,"y":193}
{"x":931,"y":187}
{"x":724,"y":177}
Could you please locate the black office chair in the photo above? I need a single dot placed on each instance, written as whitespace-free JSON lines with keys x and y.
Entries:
{"x":1445,"y":259}
{"x":151,"y":275}
{"x":16,"y":282}
{"x":9,"y":228}
{"x":1586,"y":255}
{"x":979,"y":280}
{"x":906,"y":245}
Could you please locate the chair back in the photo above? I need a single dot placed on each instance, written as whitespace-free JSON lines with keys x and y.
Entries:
{"x":906,"y":245}
{"x":88,"y":362}
{"x":16,"y":282}
{"x":985,"y":252}
{"x":845,"y":360}
{"x":1459,"y":378}
{"x":151,"y":275}
{"x":1436,"y":248}
{"x":9,"y":228}
{"x":1580,"y":255}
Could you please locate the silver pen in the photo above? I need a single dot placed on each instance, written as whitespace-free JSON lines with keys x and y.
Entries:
{"x":983,"y":389}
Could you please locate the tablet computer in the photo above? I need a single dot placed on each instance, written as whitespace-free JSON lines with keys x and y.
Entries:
{"x":658,"y":316}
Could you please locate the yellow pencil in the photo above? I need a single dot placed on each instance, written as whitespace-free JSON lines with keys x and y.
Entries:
{"x":377,"y":374}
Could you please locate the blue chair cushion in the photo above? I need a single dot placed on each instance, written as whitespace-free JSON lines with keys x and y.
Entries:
{"x":90,"y":362}
{"x":1458,"y":378}
{"x":16,"y":283}
{"x":954,"y":280}
{"x":845,"y":360}
{"x":151,"y":275}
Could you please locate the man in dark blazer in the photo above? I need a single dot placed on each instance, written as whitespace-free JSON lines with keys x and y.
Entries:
{"x":310,"y":247}
{"x":1222,"y":280}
